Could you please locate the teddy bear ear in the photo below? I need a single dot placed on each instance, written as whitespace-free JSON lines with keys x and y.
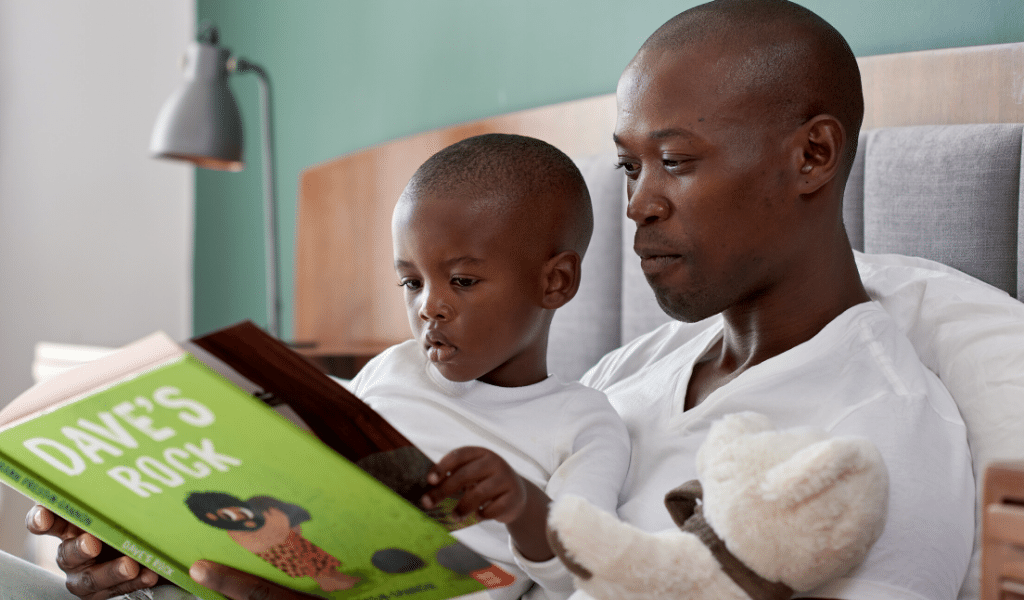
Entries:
{"x":734,"y":425}
{"x":821,"y":466}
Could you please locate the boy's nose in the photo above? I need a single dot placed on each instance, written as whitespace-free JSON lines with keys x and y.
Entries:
{"x":435,"y":308}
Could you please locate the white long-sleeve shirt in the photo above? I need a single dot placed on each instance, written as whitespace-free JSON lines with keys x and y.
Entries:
{"x":563,"y":437}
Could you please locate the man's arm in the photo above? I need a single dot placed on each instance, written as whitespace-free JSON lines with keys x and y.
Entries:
{"x":97,"y":572}
{"x":94,"y":571}
{"x":238,"y":585}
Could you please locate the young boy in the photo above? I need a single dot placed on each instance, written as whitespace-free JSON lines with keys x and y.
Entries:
{"x":488,"y":239}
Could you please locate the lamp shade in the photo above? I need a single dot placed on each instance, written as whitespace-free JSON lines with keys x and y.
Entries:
{"x":200,"y":122}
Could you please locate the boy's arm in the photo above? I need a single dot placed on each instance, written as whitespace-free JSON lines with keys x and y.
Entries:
{"x":491,"y":489}
{"x":529,"y":531}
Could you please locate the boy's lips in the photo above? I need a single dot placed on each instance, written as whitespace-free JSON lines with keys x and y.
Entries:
{"x":437,"y":347}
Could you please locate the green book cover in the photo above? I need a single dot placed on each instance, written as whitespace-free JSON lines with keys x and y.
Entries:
{"x":175,"y":463}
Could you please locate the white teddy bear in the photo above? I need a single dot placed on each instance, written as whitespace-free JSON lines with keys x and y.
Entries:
{"x":782,"y":512}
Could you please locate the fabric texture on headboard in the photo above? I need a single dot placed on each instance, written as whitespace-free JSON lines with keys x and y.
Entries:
{"x":593,"y":315}
{"x":946,"y":193}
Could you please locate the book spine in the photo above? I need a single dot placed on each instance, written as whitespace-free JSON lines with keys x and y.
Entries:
{"x":28,"y":483}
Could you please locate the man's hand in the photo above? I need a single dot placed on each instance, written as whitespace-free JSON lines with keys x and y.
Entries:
{"x":241,"y":586}
{"x":94,"y":571}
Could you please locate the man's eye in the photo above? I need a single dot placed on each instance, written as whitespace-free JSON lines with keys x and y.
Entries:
{"x":674,"y":162}
{"x":410,"y":284}
{"x":463,"y":281}
{"x":631,"y":168}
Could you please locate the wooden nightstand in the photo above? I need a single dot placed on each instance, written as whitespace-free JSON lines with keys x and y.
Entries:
{"x":340,"y":361}
{"x":1002,"y":555}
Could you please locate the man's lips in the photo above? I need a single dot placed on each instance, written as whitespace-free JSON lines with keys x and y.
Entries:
{"x":655,"y":260}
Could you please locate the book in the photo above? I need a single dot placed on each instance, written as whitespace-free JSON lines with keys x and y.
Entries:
{"x":232,"y":447}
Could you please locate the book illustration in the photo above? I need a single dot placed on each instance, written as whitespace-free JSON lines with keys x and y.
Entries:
{"x":272,"y":530}
{"x":396,"y":560}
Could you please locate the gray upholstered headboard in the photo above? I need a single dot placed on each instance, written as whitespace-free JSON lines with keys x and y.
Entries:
{"x":952,"y":194}
{"x":949,"y":193}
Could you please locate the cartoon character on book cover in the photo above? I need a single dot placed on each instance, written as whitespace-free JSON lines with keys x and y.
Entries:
{"x":271,"y":529}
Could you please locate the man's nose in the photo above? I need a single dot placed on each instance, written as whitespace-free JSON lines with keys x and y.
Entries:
{"x":647,"y":202}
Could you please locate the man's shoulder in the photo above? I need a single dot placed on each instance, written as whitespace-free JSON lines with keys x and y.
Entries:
{"x":648,"y":349}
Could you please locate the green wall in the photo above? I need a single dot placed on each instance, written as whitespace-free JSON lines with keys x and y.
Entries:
{"x":348,"y":74}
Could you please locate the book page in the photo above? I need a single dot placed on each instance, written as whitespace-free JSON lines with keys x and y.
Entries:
{"x":137,"y":357}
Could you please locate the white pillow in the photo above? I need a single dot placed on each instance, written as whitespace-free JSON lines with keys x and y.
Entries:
{"x":971,"y":335}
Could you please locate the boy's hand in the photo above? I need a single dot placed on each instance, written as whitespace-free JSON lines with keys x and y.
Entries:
{"x":492,"y":490}
{"x":94,"y":571}
{"x":489,"y":486}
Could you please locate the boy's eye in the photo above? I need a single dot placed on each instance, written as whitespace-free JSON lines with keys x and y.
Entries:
{"x":463,"y":281}
{"x":410,"y":284}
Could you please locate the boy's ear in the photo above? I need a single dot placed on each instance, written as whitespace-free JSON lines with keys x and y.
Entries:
{"x":561,"y":279}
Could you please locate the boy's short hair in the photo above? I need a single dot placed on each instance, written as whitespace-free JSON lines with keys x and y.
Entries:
{"x":528,"y":172}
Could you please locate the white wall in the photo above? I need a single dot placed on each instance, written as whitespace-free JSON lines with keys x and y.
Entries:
{"x":95,"y":237}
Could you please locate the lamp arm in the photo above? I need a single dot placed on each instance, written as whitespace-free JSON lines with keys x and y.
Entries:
{"x":274,"y":306}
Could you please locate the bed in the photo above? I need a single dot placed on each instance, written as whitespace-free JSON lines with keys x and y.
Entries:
{"x":933,"y":206}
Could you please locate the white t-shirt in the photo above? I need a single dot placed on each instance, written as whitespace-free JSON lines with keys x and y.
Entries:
{"x":563,"y":437}
{"x":858,"y":376}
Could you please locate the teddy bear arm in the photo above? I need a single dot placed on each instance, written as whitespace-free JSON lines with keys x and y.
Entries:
{"x":565,"y":556}
{"x":820,"y":466}
{"x":682,"y":501}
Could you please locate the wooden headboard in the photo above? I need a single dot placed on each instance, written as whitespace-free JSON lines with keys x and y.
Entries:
{"x":347,"y":302}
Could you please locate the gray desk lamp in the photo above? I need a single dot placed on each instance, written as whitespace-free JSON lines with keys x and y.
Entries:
{"x":200,"y":124}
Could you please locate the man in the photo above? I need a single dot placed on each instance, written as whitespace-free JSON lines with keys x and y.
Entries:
{"x":737,"y":126}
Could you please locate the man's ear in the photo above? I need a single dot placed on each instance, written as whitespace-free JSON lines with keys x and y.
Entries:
{"x":561,"y":279}
{"x":822,"y":142}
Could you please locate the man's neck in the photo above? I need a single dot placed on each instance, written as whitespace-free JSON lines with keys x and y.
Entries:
{"x":774,"y":323}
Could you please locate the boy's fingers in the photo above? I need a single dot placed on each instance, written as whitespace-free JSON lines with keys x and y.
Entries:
{"x":488,"y":499}
{"x":458,"y":457}
{"x":238,"y":585}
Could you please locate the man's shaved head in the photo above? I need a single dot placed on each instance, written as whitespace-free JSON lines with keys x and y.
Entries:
{"x":782,"y":53}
